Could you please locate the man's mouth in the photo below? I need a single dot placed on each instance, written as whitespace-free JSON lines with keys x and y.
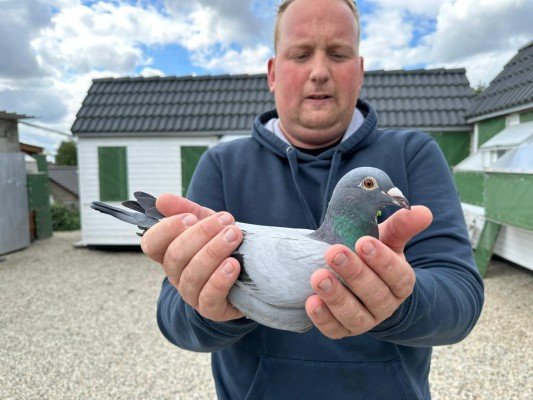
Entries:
{"x":319,"y":97}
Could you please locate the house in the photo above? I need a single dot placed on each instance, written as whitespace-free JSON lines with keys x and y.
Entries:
{"x":63,"y":181}
{"x":496,"y":182}
{"x":148,"y":133}
{"x":14,"y":224}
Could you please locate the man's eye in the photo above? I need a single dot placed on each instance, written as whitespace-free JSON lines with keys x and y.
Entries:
{"x":339,"y":56}
{"x":299,"y":57}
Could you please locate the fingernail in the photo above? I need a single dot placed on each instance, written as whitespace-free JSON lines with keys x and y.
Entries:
{"x":225,"y":219}
{"x":189,"y":220}
{"x":325,"y":284}
{"x":340,"y":259}
{"x":368,"y":248}
{"x":230,"y":236}
{"x":318,"y":310}
{"x":228,"y":268}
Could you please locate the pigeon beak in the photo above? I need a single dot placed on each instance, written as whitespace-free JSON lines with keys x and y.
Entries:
{"x":398,"y":198}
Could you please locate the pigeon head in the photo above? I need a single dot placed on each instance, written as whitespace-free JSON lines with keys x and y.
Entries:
{"x":371,"y":186}
{"x":352,"y":210}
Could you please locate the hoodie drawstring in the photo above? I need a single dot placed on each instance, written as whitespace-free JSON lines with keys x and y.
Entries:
{"x":332,"y":177}
{"x":293,"y":162}
{"x":334,"y":169}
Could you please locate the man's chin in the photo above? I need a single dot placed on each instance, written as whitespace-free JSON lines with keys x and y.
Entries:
{"x":322,"y":124}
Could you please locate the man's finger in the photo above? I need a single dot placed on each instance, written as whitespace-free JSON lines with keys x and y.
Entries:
{"x":401,"y":226}
{"x":201,"y":267}
{"x":156,"y":240}
{"x":391,"y":268}
{"x":184,"y":247}
{"x":362,"y":280}
{"x":342,"y":303}
{"x":323,"y":319}
{"x":213,"y":299}
{"x":170,"y":204}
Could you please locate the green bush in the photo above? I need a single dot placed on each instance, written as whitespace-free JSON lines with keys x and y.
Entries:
{"x":65,"y":219}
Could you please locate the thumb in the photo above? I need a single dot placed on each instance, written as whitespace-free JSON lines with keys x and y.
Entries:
{"x":401,"y":226}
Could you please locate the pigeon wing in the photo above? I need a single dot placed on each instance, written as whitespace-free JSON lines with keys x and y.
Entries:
{"x":277,"y":264}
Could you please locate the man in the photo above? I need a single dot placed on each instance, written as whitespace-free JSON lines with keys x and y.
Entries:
{"x":415,"y":288}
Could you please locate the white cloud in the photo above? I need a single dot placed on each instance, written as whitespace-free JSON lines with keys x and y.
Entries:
{"x":211,"y":22}
{"x":246,"y":61}
{"x":427,"y":8}
{"x":468,"y":27}
{"x":21,"y":22}
{"x":479,"y":35}
{"x":386,"y":40}
{"x":106,"y":36}
{"x":147,"y":72}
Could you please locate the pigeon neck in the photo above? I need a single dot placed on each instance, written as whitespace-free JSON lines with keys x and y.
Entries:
{"x":346,"y":228}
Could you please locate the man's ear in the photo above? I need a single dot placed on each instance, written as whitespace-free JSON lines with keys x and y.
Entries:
{"x":362,"y":68}
{"x":271,"y":74}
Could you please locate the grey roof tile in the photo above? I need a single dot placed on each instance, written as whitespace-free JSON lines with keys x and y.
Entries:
{"x":512,"y":87}
{"x":65,"y":176}
{"x":404,"y":99}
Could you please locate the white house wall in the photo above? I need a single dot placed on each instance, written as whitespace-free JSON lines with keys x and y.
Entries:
{"x":154,"y":166}
{"x":514,"y":244}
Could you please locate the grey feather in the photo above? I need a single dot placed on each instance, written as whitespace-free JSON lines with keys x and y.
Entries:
{"x":277,"y":263}
{"x":133,"y":205}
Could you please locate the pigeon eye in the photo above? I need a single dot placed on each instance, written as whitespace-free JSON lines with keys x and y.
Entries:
{"x":369,"y":183}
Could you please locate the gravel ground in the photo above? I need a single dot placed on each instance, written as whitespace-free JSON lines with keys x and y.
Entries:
{"x":80,"y":324}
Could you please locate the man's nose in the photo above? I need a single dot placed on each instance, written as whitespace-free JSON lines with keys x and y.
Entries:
{"x":320,"y":69}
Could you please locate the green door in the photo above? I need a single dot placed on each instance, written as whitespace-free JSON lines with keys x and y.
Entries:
{"x":190,"y":155}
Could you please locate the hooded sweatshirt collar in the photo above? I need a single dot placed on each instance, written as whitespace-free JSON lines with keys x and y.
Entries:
{"x":357,"y":120}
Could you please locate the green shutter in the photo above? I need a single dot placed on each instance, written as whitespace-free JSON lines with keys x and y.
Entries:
{"x":489,"y":128}
{"x":113,"y":173}
{"x":470,"y":187}
{"x":454,"y":145}
{"x":190,"y":155}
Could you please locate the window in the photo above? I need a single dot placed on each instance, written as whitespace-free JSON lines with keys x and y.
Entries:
{"x":113,"y":173}
{"x":190,"y":155}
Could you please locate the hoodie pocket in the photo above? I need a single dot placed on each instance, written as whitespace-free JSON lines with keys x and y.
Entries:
{"x":282,"y":378}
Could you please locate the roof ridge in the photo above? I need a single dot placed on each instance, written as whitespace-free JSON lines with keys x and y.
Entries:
{"x":176,"y":77}
{"x":416,"y":71}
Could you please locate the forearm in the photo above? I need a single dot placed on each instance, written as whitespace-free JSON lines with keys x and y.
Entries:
{"x":443,"y":308}
{"x":185,"y":328}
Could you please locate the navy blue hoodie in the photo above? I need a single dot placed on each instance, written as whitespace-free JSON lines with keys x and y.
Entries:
{"x":263,"y":180}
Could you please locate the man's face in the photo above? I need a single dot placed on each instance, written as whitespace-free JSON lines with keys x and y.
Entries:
{"x":317,"y":72}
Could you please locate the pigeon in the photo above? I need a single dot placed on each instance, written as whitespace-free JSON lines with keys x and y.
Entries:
{"x":276,"y":262}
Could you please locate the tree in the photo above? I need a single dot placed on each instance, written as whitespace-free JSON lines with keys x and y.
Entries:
{"x":480,"y":88}
{"x":67,"y":154}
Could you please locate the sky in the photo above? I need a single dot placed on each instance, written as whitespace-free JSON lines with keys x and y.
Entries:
{"x":51,"y":50}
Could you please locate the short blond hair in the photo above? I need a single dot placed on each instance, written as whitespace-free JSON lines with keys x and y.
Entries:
{"x":286,"y":3}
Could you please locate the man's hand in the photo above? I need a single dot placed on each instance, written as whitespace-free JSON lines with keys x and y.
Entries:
{"x":377,"y":277}
{"x":194,"y":244}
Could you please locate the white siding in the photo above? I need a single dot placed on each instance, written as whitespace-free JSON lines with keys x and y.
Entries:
{"x":154,"y":166}
{"x":514,"y":244}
